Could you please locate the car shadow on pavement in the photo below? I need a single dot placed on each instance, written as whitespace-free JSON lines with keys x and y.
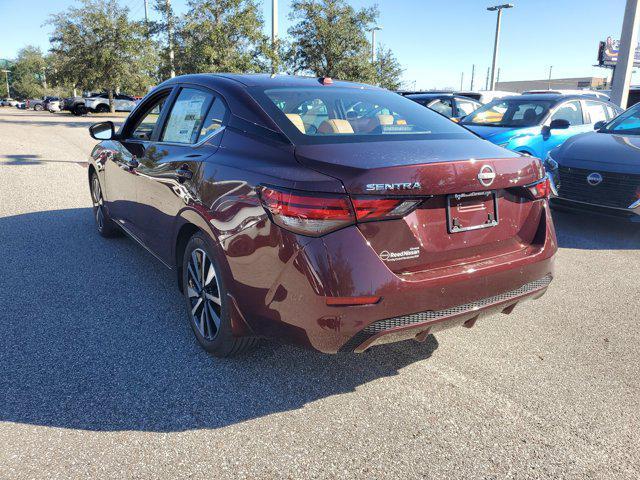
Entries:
{"x":593,"y":232}
{"x":94,"y":337}
{"x":29,"y":159}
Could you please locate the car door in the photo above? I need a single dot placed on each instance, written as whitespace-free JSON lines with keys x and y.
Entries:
{"x":168,"y":173}
{"x":121,"y":163}
{"x":572,"y":112}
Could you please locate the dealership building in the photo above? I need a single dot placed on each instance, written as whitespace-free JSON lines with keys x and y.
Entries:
{"x":577,"y":83}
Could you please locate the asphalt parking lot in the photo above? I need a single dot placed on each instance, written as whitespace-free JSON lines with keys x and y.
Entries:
{"x":100,"y":375}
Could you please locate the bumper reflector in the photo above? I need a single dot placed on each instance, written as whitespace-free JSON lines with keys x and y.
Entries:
{"x":350,"y":301}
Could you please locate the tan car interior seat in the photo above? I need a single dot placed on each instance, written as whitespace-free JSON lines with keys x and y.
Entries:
{"x":297,"y":121}
{"x":335,"y":125}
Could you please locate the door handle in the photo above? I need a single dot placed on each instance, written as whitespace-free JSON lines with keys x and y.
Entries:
{"x":130,"y":162}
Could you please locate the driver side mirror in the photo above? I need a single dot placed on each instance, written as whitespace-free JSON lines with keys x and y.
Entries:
{"x":559,"y":124}
{"x":599,"y":125}
{"x":102,"y":131}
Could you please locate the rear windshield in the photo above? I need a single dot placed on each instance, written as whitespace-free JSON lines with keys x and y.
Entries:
{"x":337,"y":114}
{"x":510,"y":113}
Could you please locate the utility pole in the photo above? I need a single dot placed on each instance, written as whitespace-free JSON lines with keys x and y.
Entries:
{"x":486,"y":84}
{"x":550,"y":70}
{"x":461,"y":80}
{"x":498,"y":76}
{"x":373,"y":42}
{"x":626,"y":54}
{"x":473,"y":75}
{"x":146,"y":13}
{"x":172,"y":67}
{"x":496,"y":43}
{"x":274,"y":33}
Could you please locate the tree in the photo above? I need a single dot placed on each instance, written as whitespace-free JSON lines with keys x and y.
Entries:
{"x":220,"y":36}
{"x":388,"y":69}
{"x":98,"y":47}
{"x":28,"y":73}
{"x":330,"y":39}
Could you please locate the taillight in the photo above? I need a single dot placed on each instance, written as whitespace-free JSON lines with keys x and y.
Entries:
{"x":382,"y":208}
{"x":540,"y":189}
{"x":308,"y":214}
{"x":317,"y":214}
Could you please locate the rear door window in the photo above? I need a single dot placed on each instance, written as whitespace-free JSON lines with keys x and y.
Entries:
{"x":443,"y":106}
{"x":569,"y":111}
{"x":187,"y":116}
{"x":596,"y":110}
{"x":466,"y":107}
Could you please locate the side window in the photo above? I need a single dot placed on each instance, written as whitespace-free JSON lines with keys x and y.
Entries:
{"x":443,"y":106}
{"x":596,"y":110}
{"x":186,"y":116}
{"x":214,"y":119}
{"x":571,"y":112}
{"x":147,"y":123}
{"x":466,"y":107}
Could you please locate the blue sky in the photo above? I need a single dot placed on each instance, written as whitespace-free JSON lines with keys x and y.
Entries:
{"x":434,"y":40}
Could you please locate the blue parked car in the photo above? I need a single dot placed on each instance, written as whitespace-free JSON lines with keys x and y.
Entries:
{"x":535,"y":124}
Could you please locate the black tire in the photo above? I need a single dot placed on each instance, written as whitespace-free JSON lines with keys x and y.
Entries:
{"x":38,"y":107}
{"x":79,"y":110}
{"x":207,"y":303}
{"x":102,"y":108}
{"x":106,"y":227}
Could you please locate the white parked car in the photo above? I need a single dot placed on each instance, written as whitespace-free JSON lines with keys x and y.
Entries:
{"x":8,"y":102}
{"x":485,"y":96}
{"x":601,"y":94}
{"x":100,"y":103}
{"x":53,"y":105}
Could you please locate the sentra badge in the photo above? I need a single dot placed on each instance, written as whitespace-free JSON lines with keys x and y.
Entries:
{"x":378,"y":187}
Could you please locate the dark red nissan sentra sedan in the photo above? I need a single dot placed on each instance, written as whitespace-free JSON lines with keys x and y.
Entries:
{"x":330,"y":214}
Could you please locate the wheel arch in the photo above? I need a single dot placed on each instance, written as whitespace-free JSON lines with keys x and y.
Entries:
{"x":239,"y":325}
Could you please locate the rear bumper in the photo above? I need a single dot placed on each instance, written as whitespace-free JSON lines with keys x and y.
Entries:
{"x":410,"y":306}
{"x":418,"y":326}
{"x":628,"y":214}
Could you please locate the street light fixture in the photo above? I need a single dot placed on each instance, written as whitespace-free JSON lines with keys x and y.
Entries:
{"x":373,"y":42}
{"x":496,"y":8}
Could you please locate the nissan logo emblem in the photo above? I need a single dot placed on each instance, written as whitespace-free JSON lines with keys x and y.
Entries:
{"x":594,"y":179}
{"x":486,"y":175}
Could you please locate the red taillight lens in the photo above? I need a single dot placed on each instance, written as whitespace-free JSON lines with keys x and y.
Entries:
{"x":382,"y":208}
{"x":316,"y":214}
{"x":307,"y":214}
{"x":540,"y":189}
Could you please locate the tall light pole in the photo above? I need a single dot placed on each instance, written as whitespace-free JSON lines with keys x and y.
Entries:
{"x":274,"y":33}
{"x":373,"y":42}
{"x":473,"y":75}
{"x":172,"y":67}
{"x":498,"y":8}
{"x":274,"y":23}
{"x":6,"y":76}
{"x":550,"y":70}
{"x":626,"y":54}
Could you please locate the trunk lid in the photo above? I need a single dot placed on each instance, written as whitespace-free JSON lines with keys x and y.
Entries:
{"x":437,"y":170}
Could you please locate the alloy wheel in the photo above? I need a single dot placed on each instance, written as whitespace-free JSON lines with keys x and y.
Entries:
{"x":203,"y":292}
{"x":96,"y":194}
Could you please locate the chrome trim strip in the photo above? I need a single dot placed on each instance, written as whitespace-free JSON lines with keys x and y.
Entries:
{"x":634,"y":205}
{"x":141,"y":243}
{"x":209,"y":136}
